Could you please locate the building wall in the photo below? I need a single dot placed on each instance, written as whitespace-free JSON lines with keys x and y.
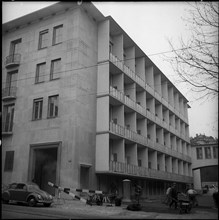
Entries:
{"x":115,"y":116}
{"x":75,"y":125}
{"x":204,"y":169}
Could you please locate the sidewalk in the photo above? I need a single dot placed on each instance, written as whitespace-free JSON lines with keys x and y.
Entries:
{"x":152,"y":209}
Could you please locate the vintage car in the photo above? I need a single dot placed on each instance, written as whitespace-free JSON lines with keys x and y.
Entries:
{"x":29,"y":193}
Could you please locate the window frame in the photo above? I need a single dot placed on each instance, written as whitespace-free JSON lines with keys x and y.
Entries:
{"x":41,"y":33}
{"x":215,"y":152}
{"x":54,"y":39}
{"x":11,"y":117}
{"x":54,"y":115}
{"x":198,"y":154}
{"x":9,"y":161}
{"x":52,"y":69}
{"x":206,"y":153}
{"x":13,"y":46}
{"x":40,"y":109}
{"x":37,"y":77}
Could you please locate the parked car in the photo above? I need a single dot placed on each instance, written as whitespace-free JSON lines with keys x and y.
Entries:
{"x":29,"y":193}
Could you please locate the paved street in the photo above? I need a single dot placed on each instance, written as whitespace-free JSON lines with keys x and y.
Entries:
{"x":152,"y":209}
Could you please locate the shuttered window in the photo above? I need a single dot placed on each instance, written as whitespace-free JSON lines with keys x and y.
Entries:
{"x":9,"y":161}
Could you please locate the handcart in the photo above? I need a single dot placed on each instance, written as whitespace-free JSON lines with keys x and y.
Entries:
{"x":184,"y":203}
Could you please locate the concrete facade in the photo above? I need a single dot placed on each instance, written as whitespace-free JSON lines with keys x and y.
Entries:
{"x":204,"y":163}
{"x":118,"y":116}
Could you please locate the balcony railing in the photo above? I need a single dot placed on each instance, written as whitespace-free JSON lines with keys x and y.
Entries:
{"x":9,"y":93}
{"x":124,"y":168}
{"x":12,"y":60}
{"x":135,"y":137}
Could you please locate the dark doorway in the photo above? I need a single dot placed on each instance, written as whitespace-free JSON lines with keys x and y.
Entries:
{"x":84,"y":177}
{"x":45,"y":168}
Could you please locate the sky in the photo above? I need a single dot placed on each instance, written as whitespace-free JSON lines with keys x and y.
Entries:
{"x":149,"y":24}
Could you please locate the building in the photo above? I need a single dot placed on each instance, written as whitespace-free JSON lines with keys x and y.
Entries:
{"x":83,"y":106}
{"x":204,"y":161}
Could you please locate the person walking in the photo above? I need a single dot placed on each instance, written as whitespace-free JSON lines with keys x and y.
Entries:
{"x":192,"y":197}
{"x":167,"y":199}
{"x":173,"y":196}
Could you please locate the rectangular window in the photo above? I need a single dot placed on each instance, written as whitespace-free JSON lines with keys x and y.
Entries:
{"x":11,"y":83}
{"x":15,"y":46}
{"x":40,"y":72}
{"x":57,"y":34}
{"x":139,"y":162}
{"x":215,"y":152}
{"x":8,"y":118}
{"x":55,"y":69}
{"x":53,"y":106}
{"x":9,"y":161}
{"x":207,"y":152}
{"x":43,"y":39}
{"x":37,"y":108}
{"x":199,"y":153}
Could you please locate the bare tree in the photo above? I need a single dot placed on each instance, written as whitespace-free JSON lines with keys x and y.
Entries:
{"x":196,"y":63}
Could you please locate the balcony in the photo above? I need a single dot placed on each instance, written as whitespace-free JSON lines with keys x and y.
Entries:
{"x":135,"y":137}
{"x":12,"y":60}
{"x":140,"y":81}
{"x":157,"y":96}
{"x":149,"y":89}
{"x":127,"y":101}
{"x":133,"y":170}
{"x":128,"y":134}
{"x":9,"y":93}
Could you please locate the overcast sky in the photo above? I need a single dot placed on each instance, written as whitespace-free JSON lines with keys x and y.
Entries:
{"x":149,"y":24}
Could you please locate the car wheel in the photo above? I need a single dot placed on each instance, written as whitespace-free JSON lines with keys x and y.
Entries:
{"x":47,"y":204}
{"x":32,"y":201}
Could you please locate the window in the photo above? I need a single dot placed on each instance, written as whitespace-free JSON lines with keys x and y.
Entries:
{"x":15,"y":46}
{"x":37,"y":109}
{"x":199,"y":153}
{"x":8,"y":117}
{"x":40,"y":72}
{"x":43,"y":39}
{"x":55,"y":69}
{"x":139,"y":162}
{"x":9,"y":161}
{"x":53,"y":106}
{"x":57,"y":34}
{"x":215,"y":152}
{"x":207,"y":152}
{"x":11,"y":83}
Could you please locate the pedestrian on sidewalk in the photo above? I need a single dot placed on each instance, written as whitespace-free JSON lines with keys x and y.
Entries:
{"x":167,"y":199}
{"x":192,"y":196}
{"x":173,"y":196}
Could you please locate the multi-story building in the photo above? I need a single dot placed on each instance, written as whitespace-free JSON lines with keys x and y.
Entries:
{"x":83,"y":105}
{"x":204,"y":161}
